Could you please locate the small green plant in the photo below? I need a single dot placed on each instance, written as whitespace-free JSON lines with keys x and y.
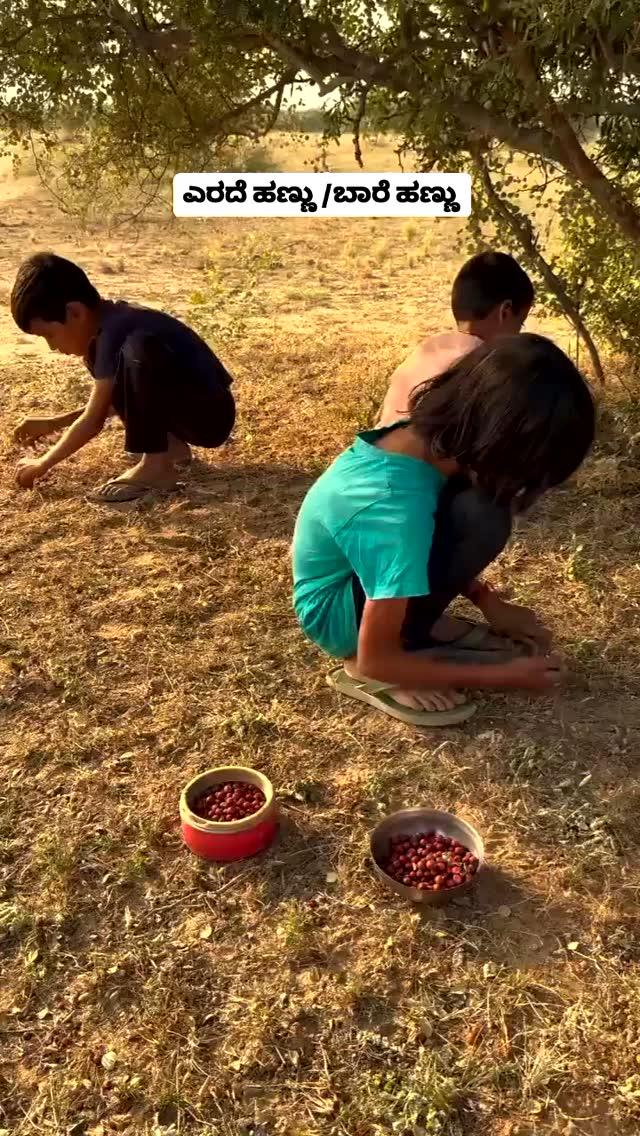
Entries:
{"x":231,"y":292}
{"x":134,"y":867}
{"x":55,"y":857}
{"x":15,"y":920}
{"x":579,"y":566}
{"x":423,"y":1100}
{"x":295,"y":926}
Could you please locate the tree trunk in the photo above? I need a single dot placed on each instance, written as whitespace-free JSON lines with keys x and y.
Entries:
{"x":521,"y":227}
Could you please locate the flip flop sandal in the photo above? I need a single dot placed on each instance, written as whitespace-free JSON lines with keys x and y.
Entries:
{"x":379,"y":696}
{"x":119,"y":492}
{"x":470,"y":647}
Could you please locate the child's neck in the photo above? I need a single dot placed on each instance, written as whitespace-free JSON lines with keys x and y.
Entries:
{"x":478,"y":328}
{"x":404,"y":440}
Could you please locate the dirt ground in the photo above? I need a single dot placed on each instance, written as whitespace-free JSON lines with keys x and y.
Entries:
{"x":143,"y":992}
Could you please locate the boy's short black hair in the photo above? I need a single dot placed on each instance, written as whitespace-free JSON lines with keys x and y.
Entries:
{"x":43,"y":287}
{"x":516,"y":413}
{"x":487,"y":280}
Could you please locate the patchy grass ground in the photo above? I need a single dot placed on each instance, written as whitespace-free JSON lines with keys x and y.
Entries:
{"x":146,"y":993}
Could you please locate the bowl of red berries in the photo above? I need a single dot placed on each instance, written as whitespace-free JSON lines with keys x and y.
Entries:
{"x":228,"y":813}
{"x":426,"y":856}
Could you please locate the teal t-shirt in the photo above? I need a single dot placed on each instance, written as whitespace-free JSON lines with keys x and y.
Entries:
{"x":371,"y":514}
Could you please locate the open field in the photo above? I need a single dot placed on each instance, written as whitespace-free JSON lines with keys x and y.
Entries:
{"x":142,"y":992}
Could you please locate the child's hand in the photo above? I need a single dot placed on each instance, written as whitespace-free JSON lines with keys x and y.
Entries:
{"x":28,"y":472}
{"x":539,"y":673}
{"x":30,"y":429}
{"x":516,"y":622}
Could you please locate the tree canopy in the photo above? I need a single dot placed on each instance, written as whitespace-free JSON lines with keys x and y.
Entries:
{"x":462,"y":84}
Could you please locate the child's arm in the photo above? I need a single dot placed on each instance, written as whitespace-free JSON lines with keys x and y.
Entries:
{"x":83,"y":429}
{"x":381,"y":656}
{"x":30,"y":429}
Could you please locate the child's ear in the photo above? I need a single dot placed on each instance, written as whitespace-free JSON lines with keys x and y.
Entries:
{"x":505,"y":311}
{"x":75,"y":310}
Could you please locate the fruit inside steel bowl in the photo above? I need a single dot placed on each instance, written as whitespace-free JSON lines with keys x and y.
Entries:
{"x":429,"y":861}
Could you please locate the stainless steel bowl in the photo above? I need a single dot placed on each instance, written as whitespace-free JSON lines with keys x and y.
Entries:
{"x":411,"y":822}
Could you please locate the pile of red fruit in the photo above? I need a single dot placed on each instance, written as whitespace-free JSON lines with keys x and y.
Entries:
{"x":429,"y":861}
{"x":232,"y":800}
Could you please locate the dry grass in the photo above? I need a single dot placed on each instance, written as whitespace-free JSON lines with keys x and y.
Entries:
{"x":145,"y":993}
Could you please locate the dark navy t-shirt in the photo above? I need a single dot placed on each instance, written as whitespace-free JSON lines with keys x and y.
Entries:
{"x":118,"y":319}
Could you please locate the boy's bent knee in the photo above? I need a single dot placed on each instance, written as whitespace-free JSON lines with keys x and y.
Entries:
{"x":474,"y":513}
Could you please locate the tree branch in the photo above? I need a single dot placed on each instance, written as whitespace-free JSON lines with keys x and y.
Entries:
{"x":161,"y":43}
{"x":48,"y":21}
{"x":331,"y":72}
{"x":573,"y":157}
{"x":357,"y":123}
{"x":150,"y":45}
{"x":601,"y":110}
{"x":626,"y":64}
{"x":531,"y":140}
{"x":277,"y":89}
{"x":522,"y":229}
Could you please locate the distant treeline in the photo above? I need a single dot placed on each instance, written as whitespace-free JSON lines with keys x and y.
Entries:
{"x":312,"y":121}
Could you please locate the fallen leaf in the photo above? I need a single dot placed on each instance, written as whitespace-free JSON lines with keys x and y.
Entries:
{"x":109,"y":1060}
{"x":489,"y":970}
{"x":472,"y":1035}
{"x":206,"y":932}
{"x":573,"y":946}
{"x":42,"y":1014}
{"x":127,"y":917}
{"x":331,"y":877}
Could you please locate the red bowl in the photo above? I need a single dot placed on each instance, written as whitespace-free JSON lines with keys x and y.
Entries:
{"x":234,"y":839}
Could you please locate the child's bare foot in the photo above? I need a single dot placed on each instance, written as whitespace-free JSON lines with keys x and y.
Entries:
{"x":445,"y":699}
{"x":157,"y":471}
{"x":179,"y":451}
{"x":429,"y":699}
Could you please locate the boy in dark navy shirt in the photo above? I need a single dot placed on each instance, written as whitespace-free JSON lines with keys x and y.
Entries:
{"x":151,"y":370}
